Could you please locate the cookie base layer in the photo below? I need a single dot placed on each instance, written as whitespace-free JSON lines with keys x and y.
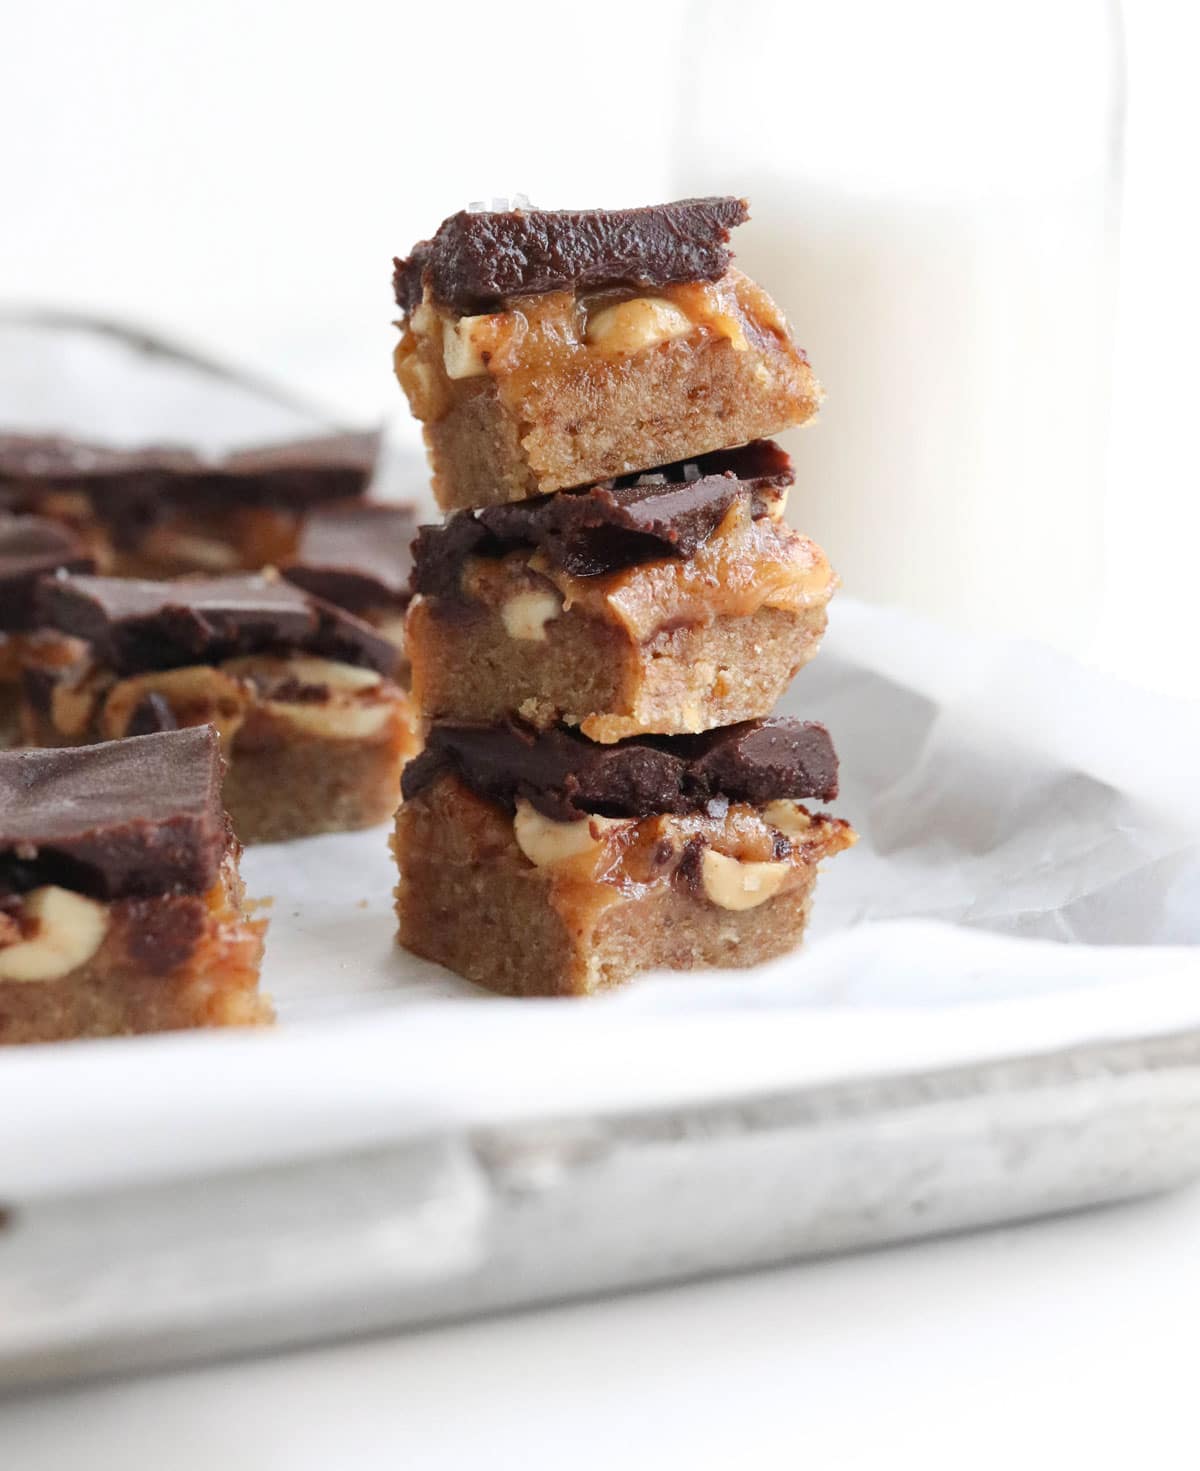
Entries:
{"x":214,"y":983}
{"x":308,"y":787}
{"x":468,"y":898}
{"x":494,"y":927}
{"x":593,"y":674}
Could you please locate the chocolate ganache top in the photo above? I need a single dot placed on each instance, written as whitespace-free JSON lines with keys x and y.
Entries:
{"x":567,"y":777}
{"x":669,"y":512}
{"x":135,"y":625}
{"x":117,"y":820}
{"x":480,"y":258}
{"x":30,"y":548}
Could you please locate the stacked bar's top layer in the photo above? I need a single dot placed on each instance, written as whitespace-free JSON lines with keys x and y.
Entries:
{"x":133,"y":485}
{"x":131,"y":818}
{"x":136,"y":626}
{"x":544,"y":350}
{"x":617,"y":523}
{"x":358,"y":556}
{"x":29,"y":549}
{"x":478,"y":260}
{"x":566,"y":777}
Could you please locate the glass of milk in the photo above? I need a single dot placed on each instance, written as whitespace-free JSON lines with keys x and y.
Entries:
{"x":934,"y":192}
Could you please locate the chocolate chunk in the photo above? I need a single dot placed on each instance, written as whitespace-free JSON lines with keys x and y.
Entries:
{"x":669,"y":512}
{"x":479,"y":259}
{"x":132,"y":490}
{"x":565,"y":776}
{"x":357,"y":556}
{"x":129,"y":818}
{"x":135,"y":626}
{"x":760,"y":760}
{"x":440,"y":551}
{"x":30,"y":548}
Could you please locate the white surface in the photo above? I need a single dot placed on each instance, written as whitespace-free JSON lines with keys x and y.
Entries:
{"x":999,"y":809}
{"x":239,"y":174}
{"x":1068,"y":1344}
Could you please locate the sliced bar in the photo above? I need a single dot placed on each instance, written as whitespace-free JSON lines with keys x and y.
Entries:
{"x":121,"y":906}
{"x":540,"y":863}
{"x":660,"y":603}
{"x":161,"y":511}
{"x":313,"y":725}
{"x":547,"y":349}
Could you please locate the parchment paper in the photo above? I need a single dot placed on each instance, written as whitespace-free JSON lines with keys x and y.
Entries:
{"x":1028,"y":877}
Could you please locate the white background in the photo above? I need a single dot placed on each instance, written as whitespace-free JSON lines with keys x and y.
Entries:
{"x":239,"y":174}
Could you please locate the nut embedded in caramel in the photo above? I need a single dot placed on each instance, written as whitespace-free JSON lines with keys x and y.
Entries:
{"x":732,"y":884}
{"x":526,"y":614}
{"x":64,"y":930}
{"x":630,"y":326}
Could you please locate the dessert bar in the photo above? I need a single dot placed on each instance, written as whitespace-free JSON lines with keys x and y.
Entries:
{"x":548,"y":349}
{"x":314,"y":727}
{"x":665,"y":602}
{"x":358,"y":556}
{"x":541,"y":863}
{"x":158,"y":512}
{"x":121,"y":905}
{"x":30,"y":547}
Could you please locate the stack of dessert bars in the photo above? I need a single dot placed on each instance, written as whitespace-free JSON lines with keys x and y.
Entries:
{"x":604,"y":620}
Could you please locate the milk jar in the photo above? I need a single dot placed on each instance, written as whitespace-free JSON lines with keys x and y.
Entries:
{"x":933,"y":190}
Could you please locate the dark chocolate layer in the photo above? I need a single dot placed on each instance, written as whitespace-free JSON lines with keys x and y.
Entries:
{"x":669,"y":512}
{"x":131,"y":490}
{"x":358,"y":555}
{"x":121,"y":819}
{"x":478,"y":259}
{"x":565,"y":776}
{"x":134,"y":625}
{"x":30,"y":548}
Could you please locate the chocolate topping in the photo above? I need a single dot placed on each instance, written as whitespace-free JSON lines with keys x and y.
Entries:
{"x":130,"y":490}
{"x":637,"y":518}
{"x":29,"y":549}
{"x":478,"y":259}
{"x":565,"y":776}
{"x":122,"y":819}
{"x":50,"y":460}
{"x":134,"y":626}
{"x":358,"y":555}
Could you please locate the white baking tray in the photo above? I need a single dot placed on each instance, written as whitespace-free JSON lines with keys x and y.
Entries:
{"x":998,"y":1015}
